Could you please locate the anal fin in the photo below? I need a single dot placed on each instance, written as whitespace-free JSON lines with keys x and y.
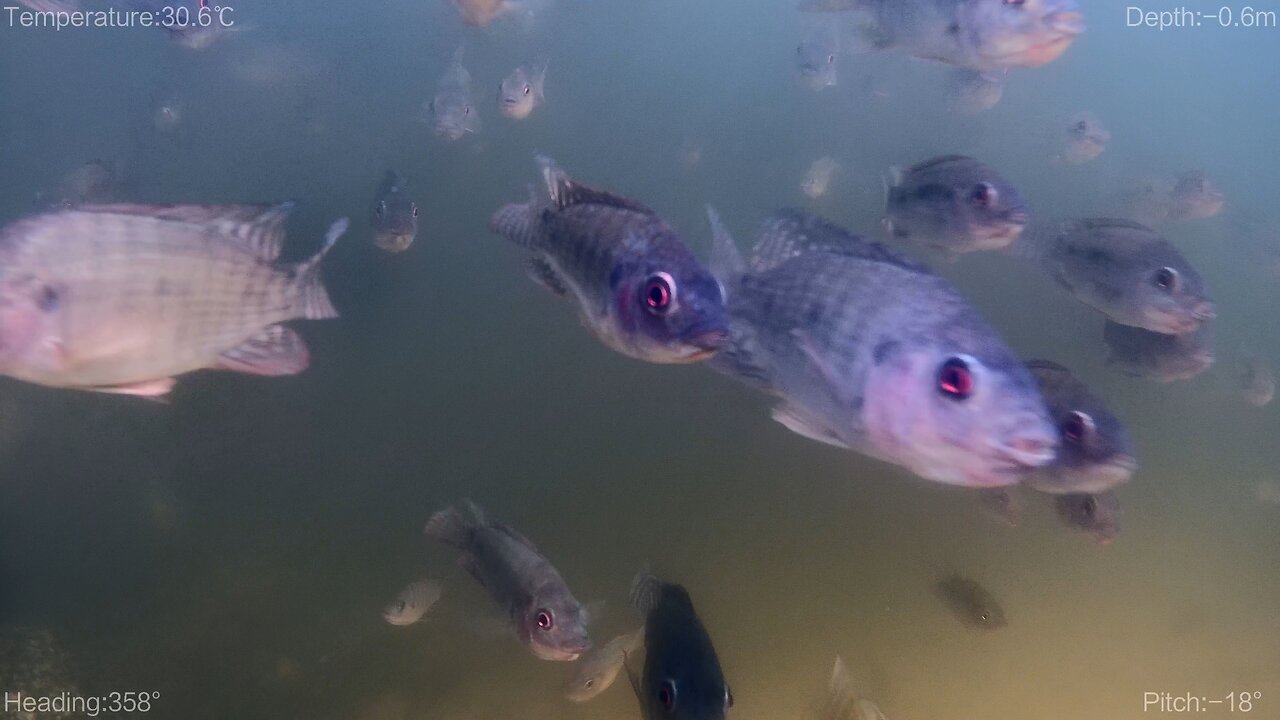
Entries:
{"x":275,"y":351}
{"x":149,"y":389}
{"x":541,"y":272}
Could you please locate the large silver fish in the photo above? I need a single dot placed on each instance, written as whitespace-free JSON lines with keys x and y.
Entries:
{"x":874,"y":353}
{"x":984,"y":35}
{"x":1095,"y":453}
{"x":638,"y":287}
{"x":124,"y":298}
{"x":518,"y":578}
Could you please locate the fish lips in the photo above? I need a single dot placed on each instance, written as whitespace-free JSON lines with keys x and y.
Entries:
{"x":706,"y":341}
{"x":564,"y":652}
{"x":1060,"y":30}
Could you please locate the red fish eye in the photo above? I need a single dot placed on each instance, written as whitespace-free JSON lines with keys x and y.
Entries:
{"x":667,"y":694}
{"x":1166,"y":278}
{"x":984,"y":194}
{"x":545,"y":621}
{"x":955,"y":379}
{"x":1076,"y":426}
{"x":659,"y":291}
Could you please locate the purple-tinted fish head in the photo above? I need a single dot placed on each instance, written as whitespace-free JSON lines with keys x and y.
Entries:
{"x":960,"y":417}
{"x":1018,"y":33}
{"x":554,"y":625}
{"x":1172,"y":299}
{"x":31,"y":313}
{"x":670,"y":312}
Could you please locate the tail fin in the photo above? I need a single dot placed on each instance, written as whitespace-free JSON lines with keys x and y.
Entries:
{"x":315,"y":299}
{"x":519,"y":222}
{"x":455,"y":525}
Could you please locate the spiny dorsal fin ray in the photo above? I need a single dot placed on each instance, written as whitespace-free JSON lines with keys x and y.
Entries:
{"x":258,"y":227}
{"x":566,"y":192}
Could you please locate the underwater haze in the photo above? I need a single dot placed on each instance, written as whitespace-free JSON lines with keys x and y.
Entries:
{"x":232,"y":548}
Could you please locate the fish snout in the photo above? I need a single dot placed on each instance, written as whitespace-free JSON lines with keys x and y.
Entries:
{"x":1204,"y":310}
{"x":1033,"y":443}
{"x":1066,"y":22}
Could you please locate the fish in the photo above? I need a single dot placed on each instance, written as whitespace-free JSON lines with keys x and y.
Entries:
{"x":1002,"y":504}
{"x":412,"y":603}
{"x":871,"y":352}
{"x":452,"y":112}
{"x":1097,"y":515}
{"x":971,"y":603}
{"x":1085,"y":139}
{"x":983,"y":35}
{"x":482,"y":12}
{"x":1095,"y":453}
{"x":818,"y":178}
{"x":597,"y":670}
{"x":1130,"y":273}
{"x":1194,"y":197}
{"x":394,"y":215}
{"x":973,"y":92}
{"x":521,"y":92}
{"x":95,"y":182}
{"x":955,"y":204}
{"x":519,"y":579}
{"x":167,"y":116}
{"x":843,"y":701}
{"x":1156,"y":356}
{"x":124,"y":298}
{"x":1256,"y":378}
{"x":638,"y":288}
{"x":817,"y":57}
{"x":681,"y":678}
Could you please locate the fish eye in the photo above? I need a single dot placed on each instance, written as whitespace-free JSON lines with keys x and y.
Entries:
{"x":985,"y":194}
{"x":659,"y":292}
{"x":400,"y":606}
{"x":667,"y":694}
{"x":545,"y":619}
{"x":955,"y":379}
{"x":1090,"y":506}
{"x":466,"y":109}
{"x":1082,"y":126}
{"x":831,"y":59}
{"x":414,"y":209}
{"x":1076,"y":426}
{"x":728,"y":697}
{"x":382,"y":208}
{"x":48,"y":298}
{"x":1166,"y":279}
{"x":1015,"y":3}
{"x":591,"y":682}
{"x":985,"y":616}
{"x":526,"y":88}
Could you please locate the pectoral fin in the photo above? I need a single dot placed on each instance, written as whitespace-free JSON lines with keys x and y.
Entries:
{"x":801,"y":423}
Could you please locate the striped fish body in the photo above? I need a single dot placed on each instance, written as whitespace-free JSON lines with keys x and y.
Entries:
{"x":125,"y":297}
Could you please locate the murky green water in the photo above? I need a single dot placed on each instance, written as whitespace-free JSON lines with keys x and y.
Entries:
{"x":233,"y":549}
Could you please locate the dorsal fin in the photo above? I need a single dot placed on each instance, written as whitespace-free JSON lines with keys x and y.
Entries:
{"x":258,"y":227}
{"x":789,"y":233}
{"x":566,"y":192}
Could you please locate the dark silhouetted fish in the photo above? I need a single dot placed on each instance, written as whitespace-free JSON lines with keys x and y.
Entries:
{"x":971,"y":603}
{"x":394,"y":214}
{"x":1097,"y":515}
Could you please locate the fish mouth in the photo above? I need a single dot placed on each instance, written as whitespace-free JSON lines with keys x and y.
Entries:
{"x":705,"y":343}
{"x":394,"y":241}
{"x":1059,"y":30}
{"x":562,"y":653}
{"x":1026,"y":452}
{"x":1204,"y":310}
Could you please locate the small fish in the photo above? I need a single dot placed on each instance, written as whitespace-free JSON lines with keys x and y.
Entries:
{"x":1257,"y":379}
{"x":1084,"y":139}
{"x":843,"y":702}
{"x":394,"y":214}
{"x":973,"y":92}
{"x":638,"y":287}
{"x":519,"y":579}
{"x":412,"y":603}
{"x":1098,"y":515}
{"x":453,"y":114}
{"x":1003,"y":504}
{"x":682,"y":679}
{"x":1095,"y":453}
{"x":94,"y":182}
{"x":955,"y":204}
{"x":1194,"y":197}
{"x":817,"y":57}
{"x":1130,"y":273}
{"x":123,"y":298}
{"x":971,"y":603}
{"x":597,"y":670}
{"x":167,"y":115}
{"x":1155,"y":356}
{"x":818,"y":178}
{"x":521,"y":91}
{"x":871,"y":352}
{"x":984,"y":35}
